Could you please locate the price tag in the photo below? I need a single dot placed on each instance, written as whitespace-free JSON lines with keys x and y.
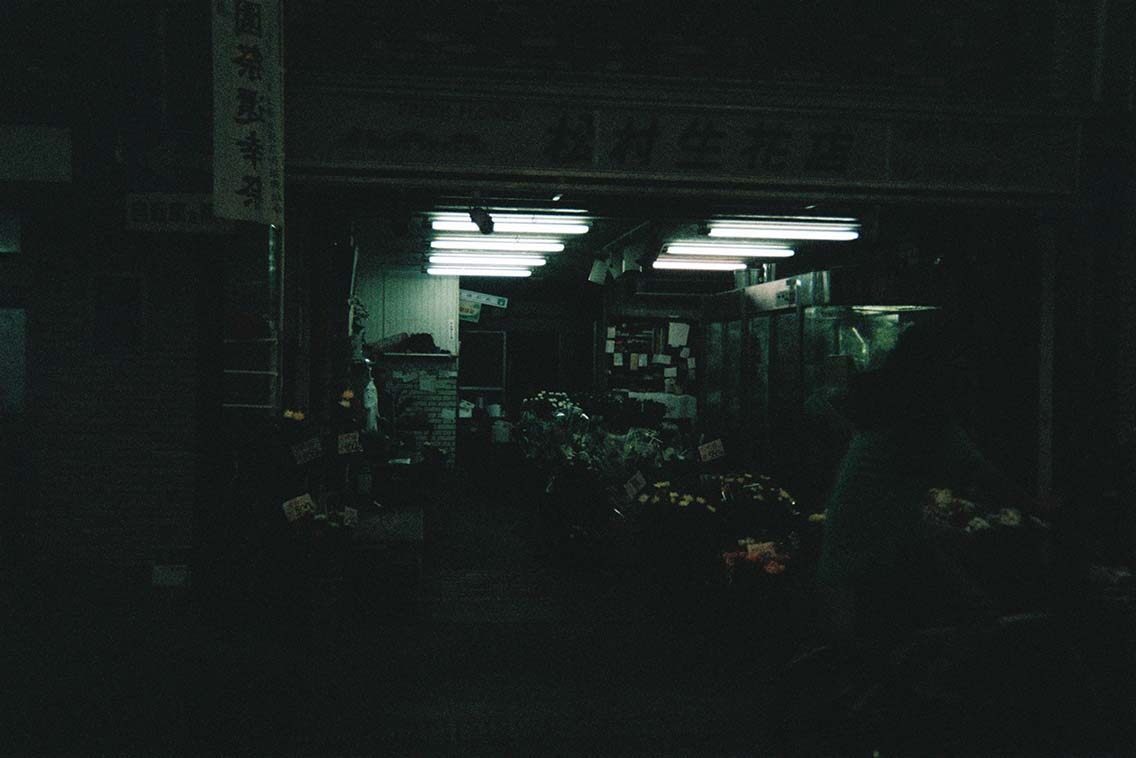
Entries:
{"x":349,"y":443}
{"x":634,"y":485}
{"x":307,"y":451}
{"x":711,"y":451}
{"x":299,"y":506}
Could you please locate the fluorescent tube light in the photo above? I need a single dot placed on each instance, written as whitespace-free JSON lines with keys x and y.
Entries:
{"x":511,"y":227}
{"x":505,"y":245}
{"x":513,"y":223}
{"x":675,"y":263}
{"x":473,"y":271}
{"x":488,"y":260}
{"x":745,"y":251}
{"x":834,"y":229}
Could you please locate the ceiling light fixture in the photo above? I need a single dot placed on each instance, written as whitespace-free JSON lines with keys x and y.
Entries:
{"x":488,"y":260}
{"x":745,"y":251}
{"x":474,"y":271}
{"x":512,"y":223}
{"x":686,"y":265}
{"x":514,"y":245}
{"x":793,"y":228}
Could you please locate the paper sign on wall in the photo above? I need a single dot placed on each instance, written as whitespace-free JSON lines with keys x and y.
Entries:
{"x":711,"y":451}
{"x":481,"y":297}
{"x":164,"y":212}
{"x":617,"y":359}
{"x":598,"y":274}
{"x":307,"y":451}
{"x":671,"y":371}
{"x":468,"y":310}
{"x":611,"y":332}
{"x":677,"y":334}
{"x":635,"y":361}
{"x":248,"y":111}
{"x":663,"y":359}
{"x":684,"y":353}
{"x":609,"y":346}
{"x":349,"y":443}
{"x":299,"y":506}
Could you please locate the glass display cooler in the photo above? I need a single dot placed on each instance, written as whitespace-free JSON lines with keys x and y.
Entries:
{"x":780,"y":355}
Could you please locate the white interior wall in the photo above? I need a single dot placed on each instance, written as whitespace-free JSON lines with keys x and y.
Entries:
{"x":403,"y":299}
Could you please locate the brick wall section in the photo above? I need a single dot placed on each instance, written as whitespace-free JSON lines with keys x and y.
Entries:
{"x":404,"y":375}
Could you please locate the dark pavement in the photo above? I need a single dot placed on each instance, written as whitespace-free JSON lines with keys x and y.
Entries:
{"x":513,"y":644}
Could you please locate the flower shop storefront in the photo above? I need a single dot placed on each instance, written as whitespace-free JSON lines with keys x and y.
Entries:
{"x":601,"y":312}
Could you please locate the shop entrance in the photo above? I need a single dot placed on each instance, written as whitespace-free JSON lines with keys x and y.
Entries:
{"x":740,"y":350}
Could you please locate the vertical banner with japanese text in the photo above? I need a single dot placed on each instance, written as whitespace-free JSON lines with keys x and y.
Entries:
{"x":248,"y":111}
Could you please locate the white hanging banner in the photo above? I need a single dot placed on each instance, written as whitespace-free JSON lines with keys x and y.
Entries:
{"x":248,"y":111}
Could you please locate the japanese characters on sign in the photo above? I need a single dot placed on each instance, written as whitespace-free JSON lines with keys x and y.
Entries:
{"x":711,"y":451}
{"x":166,"y":212}
{"x":632,"y":486}
{"x":966,"y":152}
{"x":248,"y":111}
{"x":307,"y":451}
{"x":349,"y":443}
{"x":469,"y":311}
{"x":298,"y":507}
{"x":480,"y":297}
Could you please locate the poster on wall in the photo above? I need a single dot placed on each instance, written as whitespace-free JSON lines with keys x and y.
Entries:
{"x":248,"y":111}
{"x":469,"y":310}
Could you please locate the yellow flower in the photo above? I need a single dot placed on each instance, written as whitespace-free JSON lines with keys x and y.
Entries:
{"x":817,"y":518}
{"x":643,"y":498}
{"x":287,"y":414}
{"x":674,"y":495}
{"x":345,"y":403}
{"x":348,"y":394}
{"x":298,"y":415}
{"x":655,"y":500}
{"x":701,"y":500}
{"x":662,"y":485}
{"x":784,"y":494}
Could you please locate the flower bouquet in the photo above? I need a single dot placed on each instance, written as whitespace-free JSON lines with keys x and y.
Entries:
{"x":754,"y":505}
{"x":945,"y":511}
{"x":755,"y":559}
{"x":1003,"y":550}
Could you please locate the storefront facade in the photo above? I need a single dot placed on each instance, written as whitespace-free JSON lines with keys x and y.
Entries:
{"x":1035,"y":144}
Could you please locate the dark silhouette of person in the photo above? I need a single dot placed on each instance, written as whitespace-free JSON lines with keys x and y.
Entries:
{"x":879,"y":572}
